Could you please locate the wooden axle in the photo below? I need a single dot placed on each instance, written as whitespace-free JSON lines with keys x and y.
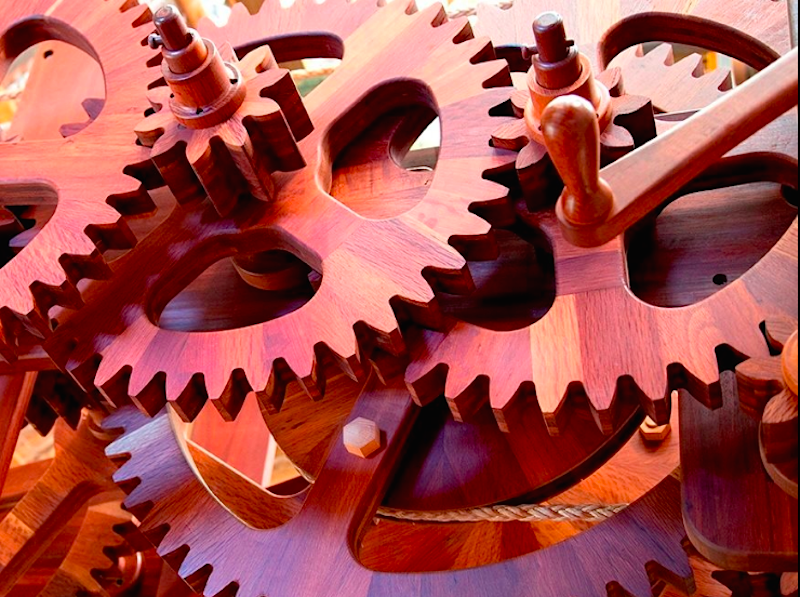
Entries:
{"x":206,"y":91}
{"x":559,"y":70}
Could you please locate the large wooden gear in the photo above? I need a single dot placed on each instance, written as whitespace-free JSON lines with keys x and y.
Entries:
{"x":456,"y":348}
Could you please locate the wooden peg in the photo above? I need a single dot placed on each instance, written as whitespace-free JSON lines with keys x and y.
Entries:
{"x":652,"y":432}
{"x":556,"y":63}
{"x":572,"y":135}
{"x":362,"y":438}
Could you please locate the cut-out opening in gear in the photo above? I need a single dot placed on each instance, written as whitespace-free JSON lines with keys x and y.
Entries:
{"x":242,"y":495}
{"x":686,"y":254}
{"x":237,"y":291}
{"x":52,"y":78}
{"x":512,"y":292}
{"x":383,"y":164}
{"x":309,"y":73}
{"x":681,"y":64}
{"x":24,"y":211}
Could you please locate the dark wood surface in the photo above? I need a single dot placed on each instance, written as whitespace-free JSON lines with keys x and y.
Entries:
{"x":626,"y":550}
{"x":735,"y":515}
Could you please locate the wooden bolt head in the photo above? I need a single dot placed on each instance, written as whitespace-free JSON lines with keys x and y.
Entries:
{"x":362,"y":437}
{"x":652,"y":432}
{"x":789,"y":364}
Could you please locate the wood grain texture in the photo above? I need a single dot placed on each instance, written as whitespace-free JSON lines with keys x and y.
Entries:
{"x":588,"y":22}
{"x":78,"y":473}
{"x":15,"y":394}
{"x":78,"y":174}
{"x":323,"y":233}
{"x":644,"y":179}
{"x":63,"y":75}
{"x":725,"y":487}
{"x":211,"y":562}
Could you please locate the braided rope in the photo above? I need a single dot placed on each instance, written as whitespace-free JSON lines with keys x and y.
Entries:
{"x":501,"y":513}
{"x":528,"y":513}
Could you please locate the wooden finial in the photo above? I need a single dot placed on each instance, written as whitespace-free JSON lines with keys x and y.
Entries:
{"x":572,"y":135}
{"x":559,"y":69}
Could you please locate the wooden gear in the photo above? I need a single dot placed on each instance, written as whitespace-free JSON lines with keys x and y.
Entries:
{"x":378,"y":285}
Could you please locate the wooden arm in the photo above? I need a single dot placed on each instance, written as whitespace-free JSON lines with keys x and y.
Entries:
{"x":643,"y":180}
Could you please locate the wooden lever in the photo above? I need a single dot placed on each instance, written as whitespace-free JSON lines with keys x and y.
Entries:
{"x":572,"y":133}
{"x":641,"y":182}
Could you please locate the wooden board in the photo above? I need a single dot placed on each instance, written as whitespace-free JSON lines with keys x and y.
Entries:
{"x":735,"y":515}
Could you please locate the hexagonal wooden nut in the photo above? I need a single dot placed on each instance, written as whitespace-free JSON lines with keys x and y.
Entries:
{"x":362,"y":438}
{"x":651,"y":432}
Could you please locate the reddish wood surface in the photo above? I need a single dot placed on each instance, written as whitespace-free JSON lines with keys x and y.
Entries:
{"x":81,"y":172}
{"x":324,"y":234}
{"x":216,"y":109}
{"x":15,"y":394}
{"x":643,"y":180}
{"x":78,"y":473}
{"x":63,"y":75}
{"x":735,"y":516}
{"x":334,"y":569}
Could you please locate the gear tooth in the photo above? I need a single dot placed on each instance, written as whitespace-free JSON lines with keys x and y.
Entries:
{"x":465,"y":400}
{"x":230,"y":398}
{"x":720,"y":78}
{"x":190,"y":400}
{"x":691,"y":65}
{"x":511,"y":135}
{"x":129,"y":471}
{"x":664,"y":54}
{"x":218,"y":584}
{"x":602,"y":395}
{"x":172,"y":548}
{"x":655,"y":398}
{"x":152,"y":396}
{"x":426,"y":383}
{"x":195,"y":571}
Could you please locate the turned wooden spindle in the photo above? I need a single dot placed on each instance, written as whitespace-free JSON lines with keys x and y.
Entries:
{"x":206,"y":91}
{"x":572,"y":135}
{"x":559,"y":69}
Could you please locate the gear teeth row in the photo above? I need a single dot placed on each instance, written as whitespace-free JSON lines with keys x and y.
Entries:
{"x":437,"y":367}
{"x":151,"y":367}
{"x":165,"y":494}
{"x":69,"y":247}
{"x":656,"y":73}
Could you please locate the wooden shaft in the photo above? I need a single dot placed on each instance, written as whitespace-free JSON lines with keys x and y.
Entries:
{"x":557,"y":63}
{"x":643,"y":180}
{"x":172,"y":28}
{"x":15,"y":395}
{"x":572,"y":135}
